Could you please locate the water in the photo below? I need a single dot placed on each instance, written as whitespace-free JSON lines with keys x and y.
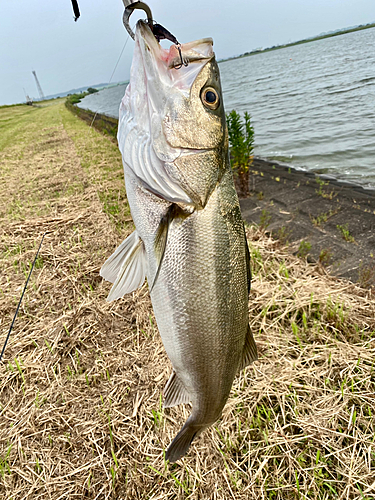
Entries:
{"x":106,"y":101}
{"x":312,"y":105}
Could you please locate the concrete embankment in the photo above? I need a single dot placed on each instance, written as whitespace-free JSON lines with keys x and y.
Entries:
{"x":330,"y":221}
{"x":103,"y":123}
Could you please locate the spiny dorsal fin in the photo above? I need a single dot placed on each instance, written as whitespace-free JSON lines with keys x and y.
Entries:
{"x":160,"y":244}
{"x":133,"y":261}
{"x":250,"y":352}
{"x":174,"y":392}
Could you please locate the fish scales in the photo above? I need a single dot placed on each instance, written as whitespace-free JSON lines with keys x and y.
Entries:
{"x":189,"y":240}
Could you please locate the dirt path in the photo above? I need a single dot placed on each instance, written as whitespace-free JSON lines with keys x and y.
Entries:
{"x":81,"y":382}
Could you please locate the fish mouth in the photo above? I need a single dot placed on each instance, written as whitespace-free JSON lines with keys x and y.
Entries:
{"x":198,"y":51}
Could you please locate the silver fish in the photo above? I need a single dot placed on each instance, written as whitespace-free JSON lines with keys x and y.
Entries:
{"x":189,"y":240}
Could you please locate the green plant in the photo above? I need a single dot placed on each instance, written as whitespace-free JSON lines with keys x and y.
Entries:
{"x":320,"y":183}
{"x":325,"y":256}
{"x":323,"y":217}
{"x":344,"y":230}
{"x":265,"y":219}
{"x":366,"y":275}
{"x":303,"y":249}
{"x":283,"y":234}
{"x":320,"y":191}
{"x":74,"y":98}
{"x":241,"y":141}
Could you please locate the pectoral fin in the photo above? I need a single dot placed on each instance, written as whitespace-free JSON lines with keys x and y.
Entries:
{"x":126,"y":267}
{"x":161,"y":239}
{"x":250,"y":352}
{"x":174,"y":392}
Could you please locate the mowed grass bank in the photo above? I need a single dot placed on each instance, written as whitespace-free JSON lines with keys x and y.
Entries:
{"x":81,"y":382}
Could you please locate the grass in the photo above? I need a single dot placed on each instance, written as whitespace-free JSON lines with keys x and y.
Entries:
{"x":345,"y":233}
{"x":81,"y":382}
{"x":322,"y":218}
{"x":304,"y":249}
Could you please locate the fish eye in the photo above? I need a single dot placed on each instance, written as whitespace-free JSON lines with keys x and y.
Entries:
{"x":210,"y":98}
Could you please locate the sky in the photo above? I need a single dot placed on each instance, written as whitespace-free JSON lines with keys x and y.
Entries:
{"x":41,"y":35}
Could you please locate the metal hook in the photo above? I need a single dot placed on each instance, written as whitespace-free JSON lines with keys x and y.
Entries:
{"x":183,"y":62}
{"x":129,"y":7}
{"x":159,"y":31}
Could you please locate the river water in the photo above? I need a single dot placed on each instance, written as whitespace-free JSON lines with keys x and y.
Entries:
{"x":312,"y":105}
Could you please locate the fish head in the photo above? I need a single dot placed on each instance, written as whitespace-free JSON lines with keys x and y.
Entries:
{"x":183,"y":107}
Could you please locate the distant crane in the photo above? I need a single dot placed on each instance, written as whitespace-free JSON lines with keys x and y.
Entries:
{"x":41,"y":95}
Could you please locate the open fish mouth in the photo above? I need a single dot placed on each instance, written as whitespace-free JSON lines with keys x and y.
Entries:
{"x":168,"y":61}
{"x":195,"y":51}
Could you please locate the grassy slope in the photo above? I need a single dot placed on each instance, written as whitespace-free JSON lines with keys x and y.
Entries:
{"x":80,"y":389}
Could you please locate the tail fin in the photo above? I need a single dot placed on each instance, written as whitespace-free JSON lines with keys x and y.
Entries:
{"x":182,"y":441}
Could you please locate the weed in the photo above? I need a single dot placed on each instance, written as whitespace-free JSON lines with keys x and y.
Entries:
{"x":325,"y":256}
{"x":241,"y":140}
{"x":4,"y":463}
{"x":366,"y":275}
{"x":283,"y":234}
{"x":320,"y":191}
{"x":344,"y":230}
{"x":265,"y":219}
{"x":303,"y":249}
{"x":323,"y":217}
{"x":320,"y":183}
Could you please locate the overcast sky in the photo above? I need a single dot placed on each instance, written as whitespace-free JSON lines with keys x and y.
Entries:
{"x":41,"y":35}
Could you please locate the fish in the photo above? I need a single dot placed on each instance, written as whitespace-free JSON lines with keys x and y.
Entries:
{"x":189,"y":239}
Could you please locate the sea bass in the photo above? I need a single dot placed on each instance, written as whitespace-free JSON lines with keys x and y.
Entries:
{"x":189,"y":240}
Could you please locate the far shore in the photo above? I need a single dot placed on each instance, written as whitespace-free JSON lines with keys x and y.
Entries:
{"x":300,"y":42}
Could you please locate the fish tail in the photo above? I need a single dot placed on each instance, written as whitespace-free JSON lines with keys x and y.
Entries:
{"x":182,"y":441}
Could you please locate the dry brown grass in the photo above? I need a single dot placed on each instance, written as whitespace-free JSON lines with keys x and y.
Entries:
{"x":80,"y":389}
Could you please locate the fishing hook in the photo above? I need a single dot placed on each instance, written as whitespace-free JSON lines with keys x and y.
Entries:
{"x":160,"y":33}
{"x":129,"y":7}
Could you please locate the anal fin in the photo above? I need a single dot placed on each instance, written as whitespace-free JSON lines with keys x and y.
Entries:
{"x":250,"y":352}
{"x":174,"y":392}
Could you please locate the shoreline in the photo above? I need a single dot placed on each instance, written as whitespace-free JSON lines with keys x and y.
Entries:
{"x":344,"y":31}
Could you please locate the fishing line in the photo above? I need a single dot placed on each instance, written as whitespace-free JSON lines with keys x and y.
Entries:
{"x":113,"y":72}
{"x":23,"y":293}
